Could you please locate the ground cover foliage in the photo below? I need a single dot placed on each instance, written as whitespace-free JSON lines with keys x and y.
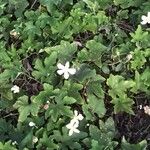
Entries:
{"x":108,"y":46}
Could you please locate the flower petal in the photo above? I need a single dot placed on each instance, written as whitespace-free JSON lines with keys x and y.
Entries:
{"x":60,"y":72}
{"x":72,"y":71}
{"x":74,"y":122}
{"x":67,"y":65}
{"x":143,"y":22}
{"x":76,"y":130}
{"x":148,"y":17}
{"x":60,"y":66}
{"x":15,"y":89}
{"x":80,"y":117}
{"x":143,"y":17}
{"x":69,"y":125}
{"x":70,"y":132}
{"x":66,"y":75}
{"x":75,"y":112}
{"x":148,"y":14}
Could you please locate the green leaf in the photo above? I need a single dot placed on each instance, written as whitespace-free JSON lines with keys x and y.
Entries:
{"x":68,"y":100}
{"x":47,"y":142}
{"x":96,"y":105}
{"x":93,"y":53}
{"x":95,"y":145}
{"x":31,"y":30}
{"x":46,"y":71}
{"x":65,"y":51}
{"x":118,"y":91}
{"x":51,"y":5}
{"x":105,"y":69}
{"x":138,"y":59}
{"x":50,"y":60}
{"x":19,"y":6}
{"x":104,"y":136}
{"x":2,"y":7}
{"x":123,"y":104}
{"x":86,"y":73}
{"x":55,"y":110}
{"x":73,"y":142}
{"x":124,"y":4}
{"x":74,"y":91}
{"x":139,"y":34}
{"x":63,"y":28}
{"x":108,"y":127}
{"x":27,"y":140}
{"x":95,"y":88}
{"x":140,"y":37}
{"x":25,"y":109}
{"x":139,"y":146}
{"x":138,"y":82}
{"x":145,"y":77}
{"x":7,"y":146}
{"x":87,"y":113}
{"x":118,"y":84}
{"x":5,"y":91}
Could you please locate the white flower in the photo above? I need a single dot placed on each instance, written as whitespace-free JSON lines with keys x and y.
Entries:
{"x":35,"y":139}
{"x":14,"y":143}
{"x":31,"y":124}
{"x":129,"y":57}
{"x":77,"y":117}
{"x":47,"y":102}
{"x":78,"y":43}
{"x":65,"y":70}
{"x":147,"y":110}
{"x":145,"y":19}
{"x":14,"y":33}
{"x":140,"y":106}
{"x":15,"y":89}
{"x":73,"y":127}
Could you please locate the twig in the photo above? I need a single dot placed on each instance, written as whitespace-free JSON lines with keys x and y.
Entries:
{"x":33,"y":4}
{"x":10,"y":115}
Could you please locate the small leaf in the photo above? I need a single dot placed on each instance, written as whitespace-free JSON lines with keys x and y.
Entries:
{"x":68,"y":100}
{"x":127,"y":146}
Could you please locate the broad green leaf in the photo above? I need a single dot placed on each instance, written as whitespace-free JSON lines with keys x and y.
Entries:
{"x":138,"y":59}
{"x":123,"y":104}
{"x":124,"y":4}
{"x":86,"y":73}
{"x":74,"y":91}
{"x":47,"y":142}
{"x":46,"y":71}
{"x":19,"y":6}
{"x":139,"y":35}
{"x":27,"y":140}
{"x":104,"y":136}
{"x":118,"y":89}
{"x":95,"y":88}
{"x":93,"y":53}
{"x":65,"y":51}
{"x":87,"y":112}
{"x":7,"y":146}
{"x":96,"y":105}
{"x":25,"y":109}
{"x":139,"y":146}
